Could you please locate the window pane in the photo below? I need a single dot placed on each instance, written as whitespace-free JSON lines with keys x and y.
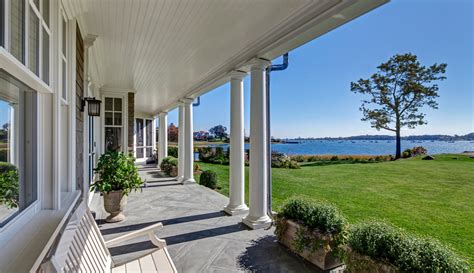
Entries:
{"x":33,"y":43}
{"x":64,"y":73}
{"x":139,"y":129}
{"x":109,"y":119}
{"x":149,"y":132}
{"x":17,"y":187}
{"x":2,"y":23}
{"x":117,"y":104}
{"x":113,"y":138}
{"x":45,"y":11}
{"x":36,"y":3}
{"x":139,"y":152}
{"x":45,"y":65}
{"x":149,"y":152}
{"x":64,"y":49}
{"x":117,"y":118}
{"x":17,"y":29}
{"x":109,"y":102}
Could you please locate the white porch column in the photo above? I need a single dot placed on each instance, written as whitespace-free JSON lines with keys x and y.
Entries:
{"x":188,"y":143}
{"x":163,"y":137}
{"x":181,"y":136}
{"x":257,"y":217}
{"x":237,"y":165}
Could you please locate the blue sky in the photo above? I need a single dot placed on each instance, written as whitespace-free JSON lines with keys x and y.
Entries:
{"x":312,"y":97}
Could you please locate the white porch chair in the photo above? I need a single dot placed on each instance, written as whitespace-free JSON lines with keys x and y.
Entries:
{"x":82,"y":248}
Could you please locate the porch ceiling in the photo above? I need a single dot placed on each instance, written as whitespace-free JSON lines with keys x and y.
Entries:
{"x":168,"y":49}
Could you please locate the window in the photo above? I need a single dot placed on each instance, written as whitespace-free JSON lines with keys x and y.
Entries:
{"x":18,"y":186}
{"x":63,"y":57}
{"x":17,"y":30}
{"x":113,"y":123}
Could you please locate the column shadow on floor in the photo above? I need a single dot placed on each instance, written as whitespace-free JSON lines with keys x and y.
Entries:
{"x":165,"y":222}
{"x":179,"y":238}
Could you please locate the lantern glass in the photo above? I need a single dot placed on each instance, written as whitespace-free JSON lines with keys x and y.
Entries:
{"x":93,"y":107}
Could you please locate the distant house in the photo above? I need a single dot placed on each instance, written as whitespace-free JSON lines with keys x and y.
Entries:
{"x":202,"y":135}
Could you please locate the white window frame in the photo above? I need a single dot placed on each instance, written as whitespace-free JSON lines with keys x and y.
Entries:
{"x":63,"y":53}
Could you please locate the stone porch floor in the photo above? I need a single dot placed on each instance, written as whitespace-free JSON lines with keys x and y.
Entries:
{"x":200,"y":236}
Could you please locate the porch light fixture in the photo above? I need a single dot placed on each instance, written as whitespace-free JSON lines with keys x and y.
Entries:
{"x":93,"y":106}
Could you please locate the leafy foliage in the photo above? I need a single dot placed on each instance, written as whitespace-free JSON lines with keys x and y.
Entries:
{"x":280,"y":160}
{"x":173,"y":151}
{"x":9,"y":185}
{"x":213,"y":155}
{"x":116,"y":171}
{"x":415,"y":151}
{"x":169,"y":165}
{"x":173,"y":133}
{"x":397,"y":93}
{"x":322,"y":225}
{"x":219,"y":131}
{"x":208,"y":179}
{"x":408,"y":252}
{"x":314,"y":214}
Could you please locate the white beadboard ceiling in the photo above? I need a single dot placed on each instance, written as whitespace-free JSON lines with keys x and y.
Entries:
{"x":170,"y":49}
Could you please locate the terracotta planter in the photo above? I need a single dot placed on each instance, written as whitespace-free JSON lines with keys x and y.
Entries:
{"x":321,"y":257}
{"x":361,"y":263}
{"x":114,"y":203}
{"x":174,"y":171}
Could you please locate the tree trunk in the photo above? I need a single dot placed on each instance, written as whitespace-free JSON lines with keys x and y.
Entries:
{"x":398,"y":152}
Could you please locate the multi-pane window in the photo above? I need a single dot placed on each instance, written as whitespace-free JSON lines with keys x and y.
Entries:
{"x":28,"y":34}
{"x":113,"y":123}
{"x":63,"y":57}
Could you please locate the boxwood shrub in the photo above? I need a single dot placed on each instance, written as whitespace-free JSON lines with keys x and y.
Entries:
{"x":168,"y":163}
{"x":314,"y":214}
{"x":407,"y":252}
{"x":208,"y":179}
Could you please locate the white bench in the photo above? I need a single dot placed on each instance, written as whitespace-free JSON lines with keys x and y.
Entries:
{"x":82,"y":248}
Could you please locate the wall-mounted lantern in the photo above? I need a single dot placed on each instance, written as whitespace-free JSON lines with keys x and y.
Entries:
{"x":93,"y":106}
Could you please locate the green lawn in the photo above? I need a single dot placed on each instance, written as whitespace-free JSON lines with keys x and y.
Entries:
{"x":434,"y":198}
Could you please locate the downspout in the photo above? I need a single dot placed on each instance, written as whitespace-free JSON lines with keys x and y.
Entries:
{"x":276,"y":67}
{"x":198,"y":102}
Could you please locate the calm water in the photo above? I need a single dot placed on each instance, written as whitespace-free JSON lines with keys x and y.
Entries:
{"x":366,"y":147}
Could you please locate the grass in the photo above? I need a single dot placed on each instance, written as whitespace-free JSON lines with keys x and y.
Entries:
{"x":434,"y":198}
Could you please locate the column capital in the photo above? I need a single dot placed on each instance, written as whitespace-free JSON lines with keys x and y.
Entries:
{"x":162,"y":114}
{"x":237,"y":75}
{"x":259,"y":64}
{"x":187,"y":100}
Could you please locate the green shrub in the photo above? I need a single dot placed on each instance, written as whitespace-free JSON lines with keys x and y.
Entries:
{"x":208,"y":179}
{"x":168,"y":164}
{"x":173,"y":151}
{"x":116,"y":171}
{"x":314,"y":214}
{"x":409,"y":253}
{"x":9,"y":185}
{"x":293,"y":165}
{"x":334,"y":158}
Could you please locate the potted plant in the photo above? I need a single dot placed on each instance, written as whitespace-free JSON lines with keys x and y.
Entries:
{"x":117,"y":176}
{"x":379,"y":247}
{"x":314,"y":230}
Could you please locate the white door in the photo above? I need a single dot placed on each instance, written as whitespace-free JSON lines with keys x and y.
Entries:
{"x":143,"y":139}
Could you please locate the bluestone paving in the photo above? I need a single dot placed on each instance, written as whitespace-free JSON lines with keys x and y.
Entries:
{"x":199,"y":235}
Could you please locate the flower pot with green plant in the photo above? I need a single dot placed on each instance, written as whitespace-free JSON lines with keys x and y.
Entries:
{"x":117,"y":177}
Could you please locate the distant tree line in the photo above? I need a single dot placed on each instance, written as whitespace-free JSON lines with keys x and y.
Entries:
{"x":467,"y":137}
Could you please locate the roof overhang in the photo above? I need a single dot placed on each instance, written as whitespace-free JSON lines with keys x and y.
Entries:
{"x":169,"y":50}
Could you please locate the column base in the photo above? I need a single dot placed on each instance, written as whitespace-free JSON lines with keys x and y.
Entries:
{"x":238,"y":210}
{"x":188,"y":181}
{"x":257,"y":223}
{"x":179,"y":179}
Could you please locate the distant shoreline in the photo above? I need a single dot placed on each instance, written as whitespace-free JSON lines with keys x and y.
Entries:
{"x":467,"y":137}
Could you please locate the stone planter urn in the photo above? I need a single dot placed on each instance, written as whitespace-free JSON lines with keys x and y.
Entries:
{"x":114,"y":203}
{"x":320,"y":257}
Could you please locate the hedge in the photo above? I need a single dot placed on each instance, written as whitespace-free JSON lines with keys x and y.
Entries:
{"x":407,"y":252}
